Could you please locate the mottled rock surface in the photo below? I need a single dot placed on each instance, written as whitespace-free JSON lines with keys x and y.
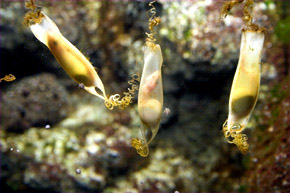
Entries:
{"x":269,"y":164}
{"x":89,"y":151}
{"x":90,"y":140}
{"x":33,"y":101}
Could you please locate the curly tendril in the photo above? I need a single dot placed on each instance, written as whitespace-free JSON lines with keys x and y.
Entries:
{"x":122,"y":103}
{"x":33,"y":16}
{"x":240,"y":140}
{"x":248,"y":12}
{"x":153,"y":21}
{"x":140,"y":146}
{"x":227,"y":7}
{"x":247,"y":17}
{"x":234,"y":136}
{"x":8,"y":78}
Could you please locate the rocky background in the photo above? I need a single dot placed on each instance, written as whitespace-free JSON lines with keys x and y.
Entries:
{"x":55,"y":137}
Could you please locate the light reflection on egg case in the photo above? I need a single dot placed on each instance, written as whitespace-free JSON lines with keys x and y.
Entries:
{"x":68,"y":56}
{"x":150,"y":98}
{"x":76,"y":65}
{"x":246,"y":83}
{"x":245,"y":88}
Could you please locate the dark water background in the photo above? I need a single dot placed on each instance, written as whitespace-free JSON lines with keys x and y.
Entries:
{"x":55,"y":137}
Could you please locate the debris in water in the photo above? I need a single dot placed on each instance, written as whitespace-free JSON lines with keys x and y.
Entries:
{"x":167,"y":111}
{"x":78,"y":171}
{"x":82,"y":86}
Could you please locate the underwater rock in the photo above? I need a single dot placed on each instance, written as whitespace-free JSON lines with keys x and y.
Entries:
{"x":40,"y":157}
{"x":269,"y":166}
{"x":11,"y":34}
{"x":19,"y":49}
{"x":167,"y":171}
{"x":187,"y":161}
{"x":200,"y":55}
{"x":91,"y":140}
{"x":34,"y":101}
